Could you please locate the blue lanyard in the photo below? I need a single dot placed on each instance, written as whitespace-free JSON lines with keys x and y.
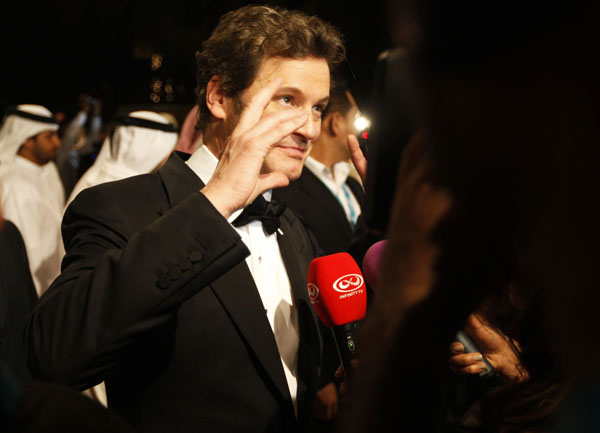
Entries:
{"x":352,"y":213}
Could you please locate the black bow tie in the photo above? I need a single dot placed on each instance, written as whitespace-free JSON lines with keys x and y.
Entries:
{"x":267,"y":212}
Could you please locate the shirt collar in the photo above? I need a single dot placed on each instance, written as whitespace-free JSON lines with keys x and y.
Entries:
{"x":341,"y":170}
{"x":204,"y":163}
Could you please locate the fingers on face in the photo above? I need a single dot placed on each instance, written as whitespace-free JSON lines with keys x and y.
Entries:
{"x":253,"y":112}
{"x":276,"y":126}
{"x":268,"y":132}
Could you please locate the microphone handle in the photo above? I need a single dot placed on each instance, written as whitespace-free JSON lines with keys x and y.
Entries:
{"x":345,"y":342}
{"x":470,"y":347}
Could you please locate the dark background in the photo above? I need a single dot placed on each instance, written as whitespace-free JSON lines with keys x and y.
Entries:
{"x":54,"y":51}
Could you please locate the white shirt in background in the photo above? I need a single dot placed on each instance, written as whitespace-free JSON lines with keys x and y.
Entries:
{"x":335,"y":181}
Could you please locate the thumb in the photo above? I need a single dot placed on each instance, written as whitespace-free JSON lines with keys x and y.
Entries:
{"x":271,"y":180}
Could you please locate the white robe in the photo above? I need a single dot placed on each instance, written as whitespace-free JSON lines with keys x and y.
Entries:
{"x":52,"y":177}
{"x":30,"y":202}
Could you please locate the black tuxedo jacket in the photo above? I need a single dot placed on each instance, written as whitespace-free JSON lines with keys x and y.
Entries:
{"x":156,"y":299}
{"x":323,"y":214}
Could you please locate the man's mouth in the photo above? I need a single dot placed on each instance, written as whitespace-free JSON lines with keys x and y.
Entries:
{"x":293,"y":151}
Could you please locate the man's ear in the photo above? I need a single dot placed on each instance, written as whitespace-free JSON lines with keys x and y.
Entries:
{"x":27,"y":145}
{"x":326,"y":125}
{"x":216,"y":98}
{"x":337,"y":124}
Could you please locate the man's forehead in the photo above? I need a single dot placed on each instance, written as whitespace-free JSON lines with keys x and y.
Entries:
{"x":293,"y":71}
{"x":44,"y":133}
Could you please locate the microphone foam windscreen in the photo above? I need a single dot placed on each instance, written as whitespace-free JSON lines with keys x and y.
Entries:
{"x":372,"y":262}
{"x":337,"y":289}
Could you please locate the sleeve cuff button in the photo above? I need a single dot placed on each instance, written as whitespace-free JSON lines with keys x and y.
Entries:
{"x":195,"y":256}
{"x":164,"y":282}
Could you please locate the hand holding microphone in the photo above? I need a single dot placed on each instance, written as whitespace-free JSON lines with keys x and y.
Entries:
{"x":337,"y":292}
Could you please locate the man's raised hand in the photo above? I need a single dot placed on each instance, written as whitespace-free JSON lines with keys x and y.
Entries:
{"x":238,"y":180}
{"x":358,"y":159}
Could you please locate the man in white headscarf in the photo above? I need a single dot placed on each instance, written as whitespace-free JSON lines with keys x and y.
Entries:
{"x":139,"y":144}
{"x":31,"y":188}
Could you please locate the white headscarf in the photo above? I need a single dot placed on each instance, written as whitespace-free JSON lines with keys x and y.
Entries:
{"x":131,"y":150}
{"x":16,"y":129}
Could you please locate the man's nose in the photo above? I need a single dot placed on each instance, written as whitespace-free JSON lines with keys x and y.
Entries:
{"x":311,"y":129}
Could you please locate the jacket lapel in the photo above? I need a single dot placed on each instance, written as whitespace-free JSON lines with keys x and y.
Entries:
{"x":296,"y":257}
{"x":317,"y":191}
{"x":357,"y":191}
{"x":235,"y":289}
{"x":239,"y":296}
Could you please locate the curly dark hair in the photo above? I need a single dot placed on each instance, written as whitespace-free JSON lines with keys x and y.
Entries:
{"x":245,"y":37}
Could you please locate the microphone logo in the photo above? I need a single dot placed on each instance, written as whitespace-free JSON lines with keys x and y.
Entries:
{"x":313,"y":293}
{"x":348,"y":283}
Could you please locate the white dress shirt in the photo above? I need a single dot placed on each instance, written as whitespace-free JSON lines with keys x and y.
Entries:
{"x":29,"y":201}
{"x":335,"y":181}
{"x":269,"y":273}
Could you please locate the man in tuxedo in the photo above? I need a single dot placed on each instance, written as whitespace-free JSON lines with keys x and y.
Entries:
{"x":195,"y":314}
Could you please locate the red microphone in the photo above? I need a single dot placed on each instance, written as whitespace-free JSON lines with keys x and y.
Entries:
{"x":338,"y":294}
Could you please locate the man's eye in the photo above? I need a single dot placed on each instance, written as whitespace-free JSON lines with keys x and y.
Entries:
{"x":318,"y":111}
{"x":285,"y":100}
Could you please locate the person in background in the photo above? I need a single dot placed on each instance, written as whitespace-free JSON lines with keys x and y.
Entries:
{"x":80,"y":140}
{"x":28,"y":143}
{"x":139,"y":143}
{"x":190,"y":137}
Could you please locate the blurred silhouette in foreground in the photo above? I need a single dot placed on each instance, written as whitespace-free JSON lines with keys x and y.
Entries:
{"x":509,"y":95}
